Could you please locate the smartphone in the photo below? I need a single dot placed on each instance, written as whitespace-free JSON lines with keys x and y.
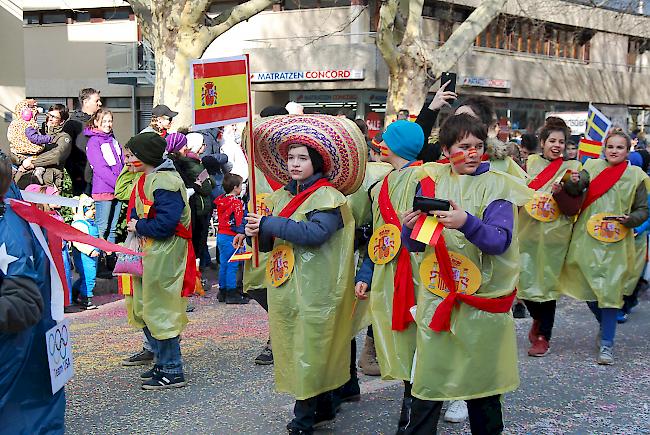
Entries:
{"x":426,"y":204}
{"x":448,"y":77}
{"x":611,"y":218}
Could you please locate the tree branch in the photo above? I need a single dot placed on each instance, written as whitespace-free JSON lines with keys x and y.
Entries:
{"x":414,"y":23}
{"x":385,"y":33}
{"x":464,"y":36}
{"x":236,"y":15}
{"x":194,"y":11}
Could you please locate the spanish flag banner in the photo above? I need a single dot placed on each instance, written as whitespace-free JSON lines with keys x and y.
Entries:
{"x":220,"y":91}
{"x":240,"y":256}
{"x":589,"y":149}
{"x":427,"y":230}
{"x":125,"y":285}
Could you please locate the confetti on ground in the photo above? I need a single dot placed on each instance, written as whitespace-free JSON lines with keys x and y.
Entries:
{"x":563,"y":393}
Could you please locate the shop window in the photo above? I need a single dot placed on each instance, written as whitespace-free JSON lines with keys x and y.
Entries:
{"x":82,"y":17}
{"x":54,"y":18}
{"x":31,"y":18}
{"x":116,"y":14}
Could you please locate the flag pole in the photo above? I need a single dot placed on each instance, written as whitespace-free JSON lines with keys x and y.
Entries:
{"x":251,"y":161}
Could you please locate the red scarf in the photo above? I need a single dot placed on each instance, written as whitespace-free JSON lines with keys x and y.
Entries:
{"x":546,"y":175}
{"x":189,"y":278}
{"x":603,"y":182}
{"x":58,"y":231}
{"x":301,"y":197}
{"x":441,"y":320}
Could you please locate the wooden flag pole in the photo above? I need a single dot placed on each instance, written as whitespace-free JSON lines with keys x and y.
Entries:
{"x":251,"y":162}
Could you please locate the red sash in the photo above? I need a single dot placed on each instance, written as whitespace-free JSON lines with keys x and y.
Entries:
{"x":297,"y":200}
{"x":546,"y":175}
{"x":189,"y":278}
{"x":603,"y":182}
{"x":441,"y":320}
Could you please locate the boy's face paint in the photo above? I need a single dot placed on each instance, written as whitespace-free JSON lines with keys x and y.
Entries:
{"x":465,"y":155}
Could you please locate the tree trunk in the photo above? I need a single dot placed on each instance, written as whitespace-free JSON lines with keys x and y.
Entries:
{"x":409,"y":82}
{"x":173,"y":80}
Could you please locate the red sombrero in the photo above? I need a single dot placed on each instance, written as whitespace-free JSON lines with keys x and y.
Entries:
{"x":338,"y":140}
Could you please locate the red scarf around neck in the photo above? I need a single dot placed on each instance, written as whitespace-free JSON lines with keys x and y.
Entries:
{"x":301,"y":197}
{"x":546,"y":175}
{"x":603,"y":182}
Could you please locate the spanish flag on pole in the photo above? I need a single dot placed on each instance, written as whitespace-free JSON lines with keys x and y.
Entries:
{"x":220,"y":91}
{"x":589,"y":149}
{"x":427,"y":230}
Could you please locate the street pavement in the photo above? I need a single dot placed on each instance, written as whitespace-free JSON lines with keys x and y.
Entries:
{"x":563,"y":393}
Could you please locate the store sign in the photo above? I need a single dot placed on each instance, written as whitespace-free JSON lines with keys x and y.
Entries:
{"x":374,"y":123}
{"x":482,"y":82}
{"x":306,"y":76}
{"x":576,"y":121}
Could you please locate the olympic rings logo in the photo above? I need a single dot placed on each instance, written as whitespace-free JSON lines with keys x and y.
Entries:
{"x":57,"y":343}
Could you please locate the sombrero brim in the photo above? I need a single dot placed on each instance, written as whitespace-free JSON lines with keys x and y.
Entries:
{"x":338,"y":140}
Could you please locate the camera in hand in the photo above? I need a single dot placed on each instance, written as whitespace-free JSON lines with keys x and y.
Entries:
{"x":426,"y":204}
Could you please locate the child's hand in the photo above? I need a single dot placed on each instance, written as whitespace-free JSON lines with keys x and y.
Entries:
{"x":130,"y":226}
{"x":238,"y":241}
{"x":94,"y":254}
{"x":556,"y":188}
{"x":410,"y":217}
{"x":453,"y":219}
{"x":253,"y":224}
{"x":361,"y":290}
{"x":623,"y":219}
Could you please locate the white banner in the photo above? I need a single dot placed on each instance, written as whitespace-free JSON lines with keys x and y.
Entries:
{"x":59,"y":354}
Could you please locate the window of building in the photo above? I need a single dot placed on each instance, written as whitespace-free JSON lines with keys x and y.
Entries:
{"x":82,"y":17}
{"x":514,"y":34}
{"x":313,"y":4}
{"x":116,"y":14}
{"x":31,"y":18}
{"x":57,"y":17}
{"x":636,"y":47}
{"x":116,"y":102}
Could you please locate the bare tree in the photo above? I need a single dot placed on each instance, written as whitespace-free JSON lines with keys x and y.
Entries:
{"x":412,"y":65}
{"x":179,"y":31}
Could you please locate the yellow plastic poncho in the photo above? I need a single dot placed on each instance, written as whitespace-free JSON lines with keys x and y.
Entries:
{"x":543,"y":245}
{"x":156,"y":301}
{"x":509,"y":166}
{"x":309,"y":315}
{"x":395,"y":349}
{"x":361,"y":208}
{"x":602,"y":271}
{"x":254,"y":277}
{"x":478,"y":356}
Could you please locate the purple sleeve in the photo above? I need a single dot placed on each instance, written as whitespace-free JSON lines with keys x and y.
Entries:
{"x":493,"y":234}
{"x":36,"y":138}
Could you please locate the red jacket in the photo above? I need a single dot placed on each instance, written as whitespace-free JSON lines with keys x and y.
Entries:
{"x":230,"y":212}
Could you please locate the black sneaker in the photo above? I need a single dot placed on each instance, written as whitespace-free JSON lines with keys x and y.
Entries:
{"x":141,"y":358}
{"x":266,"y":357}
{"x":519,"y":311}
{"x":163,"y":381}
{"x":221,"y":296}
{"x":321,"y":420}
{"x":87,"y":303}
{"x":145,"y":376}
{"x":233,"y":297}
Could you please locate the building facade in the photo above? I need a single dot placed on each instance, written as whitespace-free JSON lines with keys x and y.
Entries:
{"x":536,"y":57}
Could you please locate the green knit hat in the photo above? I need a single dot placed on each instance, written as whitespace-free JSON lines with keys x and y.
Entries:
{"x":148,"y":148}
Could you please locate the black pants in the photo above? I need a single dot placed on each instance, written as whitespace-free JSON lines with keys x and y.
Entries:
{"x":308,"y":411}
{"x":370,"y":333}
{"x":485,"y":416}
{"x":259,"y":295}
{"x":200,"y":227}
{"x":544,"y":312}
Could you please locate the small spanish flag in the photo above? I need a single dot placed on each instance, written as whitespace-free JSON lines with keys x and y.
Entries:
{"x":427,"y":230}
{"x":125,"y":285}
{"x":240,"y":256}
{"x":457,"y":158}
{"x":589,"y":149}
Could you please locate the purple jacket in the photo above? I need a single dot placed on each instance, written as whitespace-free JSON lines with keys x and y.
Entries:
{"x":106,"y":158}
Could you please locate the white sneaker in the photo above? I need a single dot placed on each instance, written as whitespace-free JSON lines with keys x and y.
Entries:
{"x":456,"y":412}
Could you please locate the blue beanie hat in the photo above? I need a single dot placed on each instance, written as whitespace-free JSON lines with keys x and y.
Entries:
{"x":404,"y":138}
